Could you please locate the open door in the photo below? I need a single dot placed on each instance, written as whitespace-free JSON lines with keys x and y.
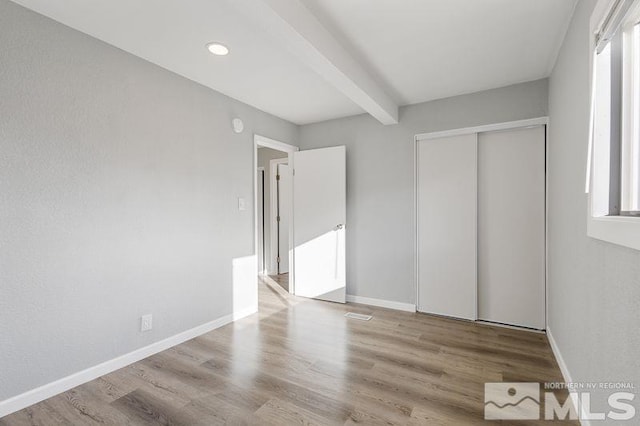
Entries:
{"x":319,"y":216}
{"x":284,"y":208}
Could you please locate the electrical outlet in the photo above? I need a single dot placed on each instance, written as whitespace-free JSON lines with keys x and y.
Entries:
{"x":146,"y":322}
{"x":241,"y":204}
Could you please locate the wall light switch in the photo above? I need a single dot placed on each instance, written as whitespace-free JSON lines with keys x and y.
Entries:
{"x":241,"y":204}
{"x":146,"y":322}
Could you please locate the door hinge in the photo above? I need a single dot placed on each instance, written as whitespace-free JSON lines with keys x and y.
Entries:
{"x":278,"y":259}
{"x":278,"y":218}
{"x":277,"y":177}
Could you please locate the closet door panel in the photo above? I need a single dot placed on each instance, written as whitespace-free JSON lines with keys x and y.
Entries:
{"x":447,"y":231}
{"x":511,"y":227}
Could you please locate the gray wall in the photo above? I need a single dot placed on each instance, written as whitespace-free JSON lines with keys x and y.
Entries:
{"x":265,"y":155}
{"x":594,"y":286}
{"x":380,"y":172}
{"x":119,"y":183}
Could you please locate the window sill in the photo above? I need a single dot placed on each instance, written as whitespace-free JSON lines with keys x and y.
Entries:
{"x":620,"y":230}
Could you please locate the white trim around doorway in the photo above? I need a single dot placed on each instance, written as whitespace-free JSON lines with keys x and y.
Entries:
{"x":263,"y":141}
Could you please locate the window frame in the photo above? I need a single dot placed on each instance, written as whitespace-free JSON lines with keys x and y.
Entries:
{"x":630,"y":140}
{"x":605,"y":180}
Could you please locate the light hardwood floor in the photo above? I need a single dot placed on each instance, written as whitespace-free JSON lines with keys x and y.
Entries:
{"x":301,"y":361}
{"x":282,"y":280}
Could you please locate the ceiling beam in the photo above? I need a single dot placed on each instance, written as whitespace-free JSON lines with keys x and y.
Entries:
{"x":303,"y":35}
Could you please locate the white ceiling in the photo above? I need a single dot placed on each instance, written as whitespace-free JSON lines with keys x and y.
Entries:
{"x":431,"y":49}
{"x":415,"y":50}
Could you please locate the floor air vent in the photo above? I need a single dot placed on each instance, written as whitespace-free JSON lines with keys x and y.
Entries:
{"x":358,"y":316}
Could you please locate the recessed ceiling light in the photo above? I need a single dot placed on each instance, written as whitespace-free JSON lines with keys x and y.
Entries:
{"x":218,"y":49}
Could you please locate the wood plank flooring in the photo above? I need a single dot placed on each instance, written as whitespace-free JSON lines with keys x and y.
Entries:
{"x":282,"y":280}
{"x":301,"y":361}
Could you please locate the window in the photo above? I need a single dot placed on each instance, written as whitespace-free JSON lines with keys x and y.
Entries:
{"x":630,"y":142}
{"x":614,"y":162}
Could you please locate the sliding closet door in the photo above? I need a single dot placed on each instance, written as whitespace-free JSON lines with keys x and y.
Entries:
{"x":511,"y":227}
{"x":447,"y":177}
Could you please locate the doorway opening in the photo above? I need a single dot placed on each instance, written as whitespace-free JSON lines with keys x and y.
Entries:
{"x":280,"y":199}
{"x":316,"y":204}
{"x":273,"y":211}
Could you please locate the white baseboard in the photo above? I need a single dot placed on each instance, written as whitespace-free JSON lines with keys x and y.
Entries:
{"x":41,"y":393}
{"x":389,"y":304}
{"x":565,"y":373}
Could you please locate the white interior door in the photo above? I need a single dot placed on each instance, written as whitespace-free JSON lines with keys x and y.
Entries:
{"x":319,"y":216}
{"x":284,"y":211}
{"x":511,"y":227}
{"x":447,"y":232}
